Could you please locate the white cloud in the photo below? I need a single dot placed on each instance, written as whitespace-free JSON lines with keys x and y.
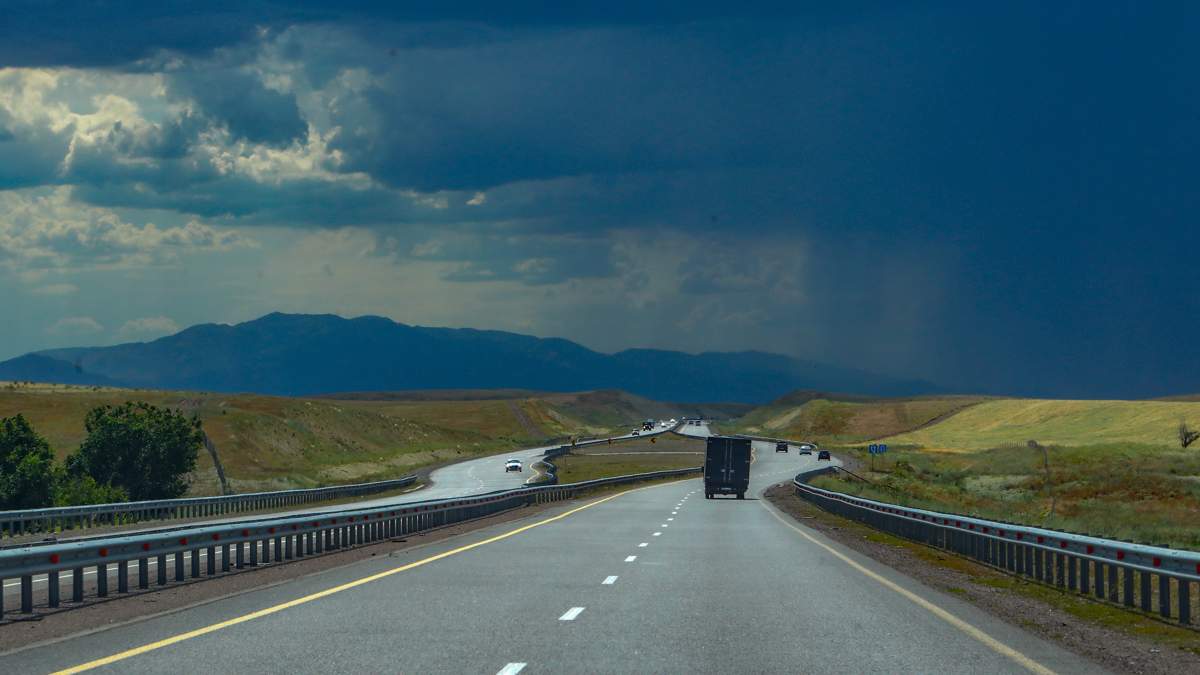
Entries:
{"x":148,"y":327}
{"x":46,"y":229}
{"x":75,"y":325}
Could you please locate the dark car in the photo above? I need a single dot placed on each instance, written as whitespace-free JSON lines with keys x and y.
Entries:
{"x":781,"y":446}
{"x":824,"y":454}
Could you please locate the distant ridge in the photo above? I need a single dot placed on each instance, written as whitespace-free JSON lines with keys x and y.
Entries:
{"x":306,"y":354}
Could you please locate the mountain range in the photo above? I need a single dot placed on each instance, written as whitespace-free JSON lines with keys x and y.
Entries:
{"x":306,"y":354}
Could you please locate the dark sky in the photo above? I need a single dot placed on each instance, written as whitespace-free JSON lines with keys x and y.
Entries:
{"x":998,"y":199}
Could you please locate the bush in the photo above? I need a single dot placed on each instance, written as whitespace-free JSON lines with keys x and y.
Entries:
{"x":145,"y":450}
{"x":26,"y":466}
{"x":84,"y":491}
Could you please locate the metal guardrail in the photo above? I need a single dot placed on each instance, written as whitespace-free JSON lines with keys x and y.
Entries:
{"x":1151,"y":578}
{"x":36,"y":521}
{"x":227,"y":547}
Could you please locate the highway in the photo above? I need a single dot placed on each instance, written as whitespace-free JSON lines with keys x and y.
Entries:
{"x":655,"y":579}
{"x":470,"y":477}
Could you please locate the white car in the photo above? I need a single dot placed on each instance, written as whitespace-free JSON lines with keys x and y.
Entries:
{"x":512,"y":465}
{"x":636,"y":432}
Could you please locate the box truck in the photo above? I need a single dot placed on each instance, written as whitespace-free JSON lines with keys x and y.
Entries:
{"x":726,"y":466}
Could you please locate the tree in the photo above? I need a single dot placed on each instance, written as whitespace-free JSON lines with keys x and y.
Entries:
{"x":1186,"y":435}
{"x":26,"y":466}
{"x":146,"y":450}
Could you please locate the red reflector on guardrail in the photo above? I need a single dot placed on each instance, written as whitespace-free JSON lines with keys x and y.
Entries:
{"x":1041,"y":539}
{"x":1020,"y":535}
{"x":145,"y":547}
{"x":316,"y":523}
{"x":295,"y":527}
{"x":183,"y":541}
{"x":1158,"y":562}
{"x":1120,"y":555}
{"x":216,"y":537}
{"x":103,"y":552}
{"x":245,"y":533}
{"x":1091,"y":549}
{"x":270,"y":530}
{"x":985,"y":530}
{"x":1062,"y":544}
{"x":54,"y":558}
{"x":971,"y":526}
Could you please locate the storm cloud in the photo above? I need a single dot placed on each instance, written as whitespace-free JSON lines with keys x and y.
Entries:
{"x":993,"y":198}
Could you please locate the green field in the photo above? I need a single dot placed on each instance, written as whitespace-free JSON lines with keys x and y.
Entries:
{"x":271,"y":442}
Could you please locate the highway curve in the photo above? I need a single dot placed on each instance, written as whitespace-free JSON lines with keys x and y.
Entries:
{"x":655,"y":579}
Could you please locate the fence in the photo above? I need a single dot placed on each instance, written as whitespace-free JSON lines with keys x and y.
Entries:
{"x":35,"y":521}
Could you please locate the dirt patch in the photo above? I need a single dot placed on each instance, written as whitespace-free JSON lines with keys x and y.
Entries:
{"x":1114,"y":638}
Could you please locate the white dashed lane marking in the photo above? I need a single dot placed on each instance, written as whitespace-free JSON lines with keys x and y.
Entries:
{"x":609,"y":581}
{"x":511,"y":669}
{"x":571,"y":614}
{"x":630,"y":558}
{"x":644,"y":544}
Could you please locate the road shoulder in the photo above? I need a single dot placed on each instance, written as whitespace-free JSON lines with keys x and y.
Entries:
{"x":1110,"y":637}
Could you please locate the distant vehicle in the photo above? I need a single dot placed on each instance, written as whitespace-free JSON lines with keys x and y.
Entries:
{"x":512,"y":465}
{"x":636,"y":432}
{"x":806,"y":449}
{"x":824,"y":454}
{"x":648,"y":425}
{"x":726,"y":466}
{"x":781,"y":446}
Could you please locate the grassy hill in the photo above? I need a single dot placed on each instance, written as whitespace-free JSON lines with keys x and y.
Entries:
{"x":830,"y":418}
{"x":1110,"y":468}
{"x":271,"y":442}
{"x":1069,"y":423}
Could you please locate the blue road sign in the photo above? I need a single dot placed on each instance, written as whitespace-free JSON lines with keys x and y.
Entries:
{"x":882,"y":448}
{"x":873,"y":449}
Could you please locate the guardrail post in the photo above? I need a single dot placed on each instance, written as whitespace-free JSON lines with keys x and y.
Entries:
{"x":1185,"y":601}
{"x":102,"y":580}
{"x":123,"y":576}
{"x":224,"y":557}
{"x":194,"y":554}
{"x":53,"y":588}
{"x":178,"y":559}
{"x":1085,"y":566}
{"x":211,"y":566}
{"x":1100,"y":579}
{"x":161,"y":567}
{"x":241,"y":554}
{"x":77,"y":584}
{"x":143,"y":573}
{"x":253,"y":553}
{"x":26,"y":594}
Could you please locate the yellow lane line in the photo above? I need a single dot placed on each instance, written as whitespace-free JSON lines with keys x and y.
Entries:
{"x":987,"y":640}
{"x":175,"y":639}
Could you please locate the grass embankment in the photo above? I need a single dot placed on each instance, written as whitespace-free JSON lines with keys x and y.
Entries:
{"x":1114,"y":468}
{"x":270,"y":442}
{"x":620,"y":459}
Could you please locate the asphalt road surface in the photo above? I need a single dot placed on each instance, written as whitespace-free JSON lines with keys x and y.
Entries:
{"x":656,"y":579}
